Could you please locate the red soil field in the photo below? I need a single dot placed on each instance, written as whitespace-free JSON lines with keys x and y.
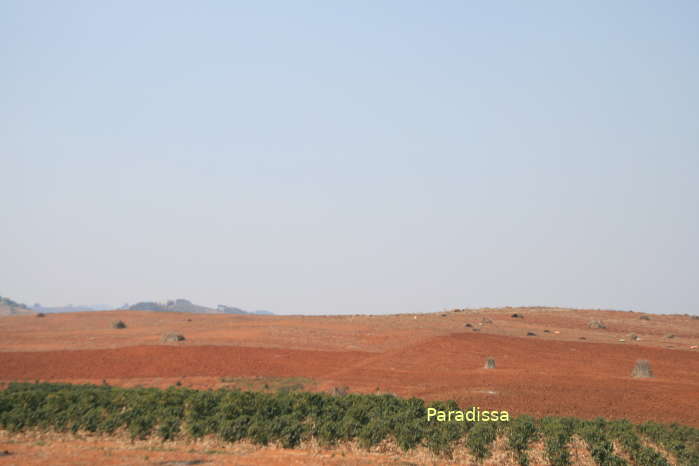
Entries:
{"x":432,"y":356}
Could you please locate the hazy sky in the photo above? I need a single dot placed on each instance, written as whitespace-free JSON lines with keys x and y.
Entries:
{"x":351,"y":157}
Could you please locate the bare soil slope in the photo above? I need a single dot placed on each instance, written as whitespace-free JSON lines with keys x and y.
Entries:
{"x":433,"y":356}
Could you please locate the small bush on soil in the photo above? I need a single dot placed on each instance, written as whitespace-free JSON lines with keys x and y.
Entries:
{"x":521,"y":431}
{"x":440,"y":437}
{"x":681,"y":441}
{"x":294,"y":387}
{"x":625,"y":433}
{"x":600,"y":447}
{"x":531,"y":334}
{"x":172,"y":337}
{"x":557,"y":433}
{"x":642,"y":369}
{"x":490,"y":363}
{"x":339,"y":391}
{"x":596,"y":324}
{"x":644,"y":317}
{"x":41,"y":314}
{"x":480,"y":438}
{"x":517,"y":316}
{"x":118,"y":324}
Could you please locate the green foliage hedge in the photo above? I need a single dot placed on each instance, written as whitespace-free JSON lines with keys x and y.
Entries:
{"x":522,"y":430}
{"x":292,"y":417}
{"x":626,"y":434}
{"x":287,"y":418}
{"x":680,"y":441}
{"x":594,"y":433}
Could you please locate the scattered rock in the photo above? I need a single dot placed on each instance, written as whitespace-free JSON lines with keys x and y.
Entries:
{"x":41,"y":314}
{"x":632,"y":336}
{"x":670,"y":335}
{"x":596,"y":324}
{"x":517,"y":316}
{"x":468,"y":325}
{"x":531,"y":334}
{"x":444,"y":315}
{"x":547,"y":331}
{"x":476,"y":329}
{"x":644,"y":317}
{"x":622,"y":340}
{"x":172,"y":337}
{"x":5,"y":453}
{"x":490,"y":363}
{"x":485,"y":320}
{"x":582,"y":338}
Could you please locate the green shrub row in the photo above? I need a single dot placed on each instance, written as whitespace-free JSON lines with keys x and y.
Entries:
{"x":557,"y":432}
{"x":594,"y":433}
{"x":292,"y":417}
{"x":521,"y":432}
{"x":625,"y":433}
{"x":232,"y":415}
{"x":680,"y":441}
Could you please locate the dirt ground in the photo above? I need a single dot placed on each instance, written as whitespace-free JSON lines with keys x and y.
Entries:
{"x":40,"y":448}
{"x":565,"y":369}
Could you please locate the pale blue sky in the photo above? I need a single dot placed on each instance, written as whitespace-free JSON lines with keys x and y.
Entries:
{"x":351,"y":157}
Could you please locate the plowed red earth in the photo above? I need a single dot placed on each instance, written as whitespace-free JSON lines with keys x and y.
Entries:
{"x":429,"y":356}
{"x":172,"y":361}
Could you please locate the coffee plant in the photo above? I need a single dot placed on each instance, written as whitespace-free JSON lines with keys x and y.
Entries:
{"x":289,"y":418}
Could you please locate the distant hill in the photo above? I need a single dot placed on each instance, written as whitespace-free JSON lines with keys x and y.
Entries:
{"x":9,"y":307}
{"x":177,"y":305}
{"x":184,"y":305}
{"x":229,"y":310}
{"x":70,"y":308}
